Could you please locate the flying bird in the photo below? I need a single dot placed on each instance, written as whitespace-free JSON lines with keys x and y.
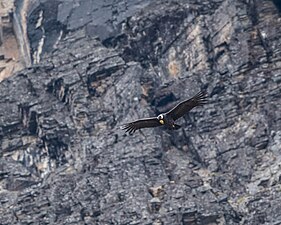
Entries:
{"x":168,"y":119}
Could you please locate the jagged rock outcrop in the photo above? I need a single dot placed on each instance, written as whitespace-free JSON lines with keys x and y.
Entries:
{"x":97,"y":65}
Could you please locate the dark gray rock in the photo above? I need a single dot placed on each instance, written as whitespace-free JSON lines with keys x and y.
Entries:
{"x":64,"y":159}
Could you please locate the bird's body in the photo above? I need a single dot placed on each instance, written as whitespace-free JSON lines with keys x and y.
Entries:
{"x":168,"y":119}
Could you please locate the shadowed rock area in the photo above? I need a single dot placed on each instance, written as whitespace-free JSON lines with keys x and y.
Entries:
{"x":99,"y":64}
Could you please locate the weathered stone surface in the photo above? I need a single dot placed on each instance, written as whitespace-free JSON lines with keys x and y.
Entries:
{"x":10,"y":54}
{"x":99,"y":64}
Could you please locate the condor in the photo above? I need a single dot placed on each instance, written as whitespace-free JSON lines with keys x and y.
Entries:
{"x":167,"y":119}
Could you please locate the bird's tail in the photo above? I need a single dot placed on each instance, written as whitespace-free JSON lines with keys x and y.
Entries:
{"x":176,"y":127}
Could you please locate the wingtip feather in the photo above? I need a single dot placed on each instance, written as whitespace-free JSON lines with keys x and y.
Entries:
{"x":201,"y":97}
{"x":128,"y":128}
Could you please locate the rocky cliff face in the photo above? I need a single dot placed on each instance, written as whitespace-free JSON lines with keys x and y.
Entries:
{"x":97,"y":65}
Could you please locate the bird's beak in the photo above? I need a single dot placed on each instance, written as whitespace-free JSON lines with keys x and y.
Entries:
{"x":161,"y":121}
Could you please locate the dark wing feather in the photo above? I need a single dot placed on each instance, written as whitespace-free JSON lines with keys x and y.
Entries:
{"x":185,"y":106}
{"x":142,"y":123}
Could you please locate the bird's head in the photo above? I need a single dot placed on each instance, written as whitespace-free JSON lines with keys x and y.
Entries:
{"x":161,"y":118}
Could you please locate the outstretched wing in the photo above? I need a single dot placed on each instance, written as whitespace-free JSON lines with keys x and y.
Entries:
{"x":185,"y":106}
{"x":142,"y":123}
